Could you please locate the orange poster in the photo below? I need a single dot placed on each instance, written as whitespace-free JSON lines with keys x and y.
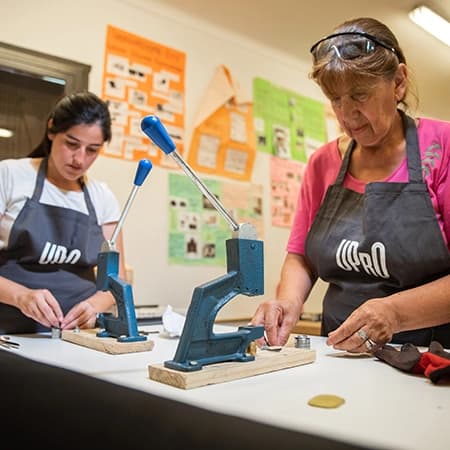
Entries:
{"x":141,"y":78}
{"x":223,"y":141}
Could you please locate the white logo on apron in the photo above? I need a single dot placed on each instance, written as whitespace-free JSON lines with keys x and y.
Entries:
{"x":374,"y":263}
{"x":58,"y":254}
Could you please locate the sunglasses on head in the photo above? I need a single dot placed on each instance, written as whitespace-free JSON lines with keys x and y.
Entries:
{"x":355,"y":44}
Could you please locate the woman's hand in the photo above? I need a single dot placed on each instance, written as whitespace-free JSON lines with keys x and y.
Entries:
{"x":82,"y":315}
{"x":41,"y":306}
{"x":368,"y":328}
{"x":279,"y":318}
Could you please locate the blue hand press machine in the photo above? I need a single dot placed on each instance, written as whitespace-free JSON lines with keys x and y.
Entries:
{"x":199,"y":344}
{"x":124,"y":325}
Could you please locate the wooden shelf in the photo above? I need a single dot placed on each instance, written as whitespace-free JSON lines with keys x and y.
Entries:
{"x":302,"y":327}
{"x":307,"y":327}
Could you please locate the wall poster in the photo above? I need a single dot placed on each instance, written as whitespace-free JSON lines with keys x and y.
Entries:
{"x":223,"y":141}
{"x":287,"y":125}
{"x":197,"y":231}
{"x":142,"y":77}
{"x":285,"y":180}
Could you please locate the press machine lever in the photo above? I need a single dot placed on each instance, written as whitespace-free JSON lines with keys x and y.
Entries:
{"x":199,"y":344}
{"x":124,"y":325}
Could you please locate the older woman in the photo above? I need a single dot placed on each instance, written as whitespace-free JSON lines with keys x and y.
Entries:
{"x":373,"y":217}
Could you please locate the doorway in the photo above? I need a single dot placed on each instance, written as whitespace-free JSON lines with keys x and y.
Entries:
{"x":30,"y":84}
{"x":25,"y":104}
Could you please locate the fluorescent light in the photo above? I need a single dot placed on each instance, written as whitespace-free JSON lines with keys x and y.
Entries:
{"x":5,"y":133}
{"x":431,"y":22}
{"x":54,"y":80}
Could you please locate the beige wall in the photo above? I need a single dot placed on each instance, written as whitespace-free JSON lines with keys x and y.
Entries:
{"x":76,"y":30}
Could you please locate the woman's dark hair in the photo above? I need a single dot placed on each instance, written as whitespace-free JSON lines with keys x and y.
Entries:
{"x":81,"y":108}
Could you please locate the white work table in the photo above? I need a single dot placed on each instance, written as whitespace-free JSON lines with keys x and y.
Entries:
{"x":384,"y":407}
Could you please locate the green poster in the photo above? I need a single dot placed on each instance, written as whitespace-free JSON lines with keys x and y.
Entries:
{"x":287,"y":125}
{"x":197,"y":231}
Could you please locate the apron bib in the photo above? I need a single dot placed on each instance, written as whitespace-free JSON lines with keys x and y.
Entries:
{"x":378,"y":243}
{"x":52,"y":248}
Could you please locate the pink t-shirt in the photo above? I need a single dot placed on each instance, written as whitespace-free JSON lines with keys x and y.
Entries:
{"x":324,"y":165}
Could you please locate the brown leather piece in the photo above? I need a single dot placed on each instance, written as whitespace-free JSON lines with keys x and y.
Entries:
{"x":404,"y":359}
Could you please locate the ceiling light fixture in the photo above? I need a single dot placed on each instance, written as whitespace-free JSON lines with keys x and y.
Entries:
{"x":6,"y":133}
{"x":431,"y":22}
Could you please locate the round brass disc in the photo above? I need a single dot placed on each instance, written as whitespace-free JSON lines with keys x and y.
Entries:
{"x":326,"y":401}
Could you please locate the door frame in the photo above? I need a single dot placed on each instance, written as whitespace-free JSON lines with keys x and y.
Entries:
{"x":30,"y":62}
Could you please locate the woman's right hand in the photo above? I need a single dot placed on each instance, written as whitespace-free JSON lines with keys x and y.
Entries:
{"x":41,"y":306}
{"x":279,"y":318}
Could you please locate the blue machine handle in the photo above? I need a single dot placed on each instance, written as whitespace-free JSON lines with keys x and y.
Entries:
{"x":154,"y":129}
{"x":144,"y":167}
{"x":142,"y":171}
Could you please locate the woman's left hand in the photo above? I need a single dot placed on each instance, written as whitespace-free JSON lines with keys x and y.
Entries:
{"x":367,"y":329}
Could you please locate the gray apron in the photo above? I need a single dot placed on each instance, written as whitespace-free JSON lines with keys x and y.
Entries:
{"x":374,"y":244}
{"x":52,"y":248}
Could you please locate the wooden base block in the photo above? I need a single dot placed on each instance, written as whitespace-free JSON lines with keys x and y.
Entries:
{"x":265,"y":361}
{"x":88,"y":338}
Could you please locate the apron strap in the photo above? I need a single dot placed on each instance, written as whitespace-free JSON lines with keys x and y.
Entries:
{"x":87,"y":199}
{"x":39,"y":186}
{"x":412,"y":149}
{"x":345,"y":163}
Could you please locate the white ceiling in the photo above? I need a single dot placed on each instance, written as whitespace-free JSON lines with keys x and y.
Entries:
{"x":291,"y":26}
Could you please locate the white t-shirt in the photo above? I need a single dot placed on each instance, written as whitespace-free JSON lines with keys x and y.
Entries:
{"x":17,"y":183}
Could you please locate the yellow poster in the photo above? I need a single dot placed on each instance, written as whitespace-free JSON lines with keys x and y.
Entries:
{"x":223,"y":141}
{"x":141,"y":78}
